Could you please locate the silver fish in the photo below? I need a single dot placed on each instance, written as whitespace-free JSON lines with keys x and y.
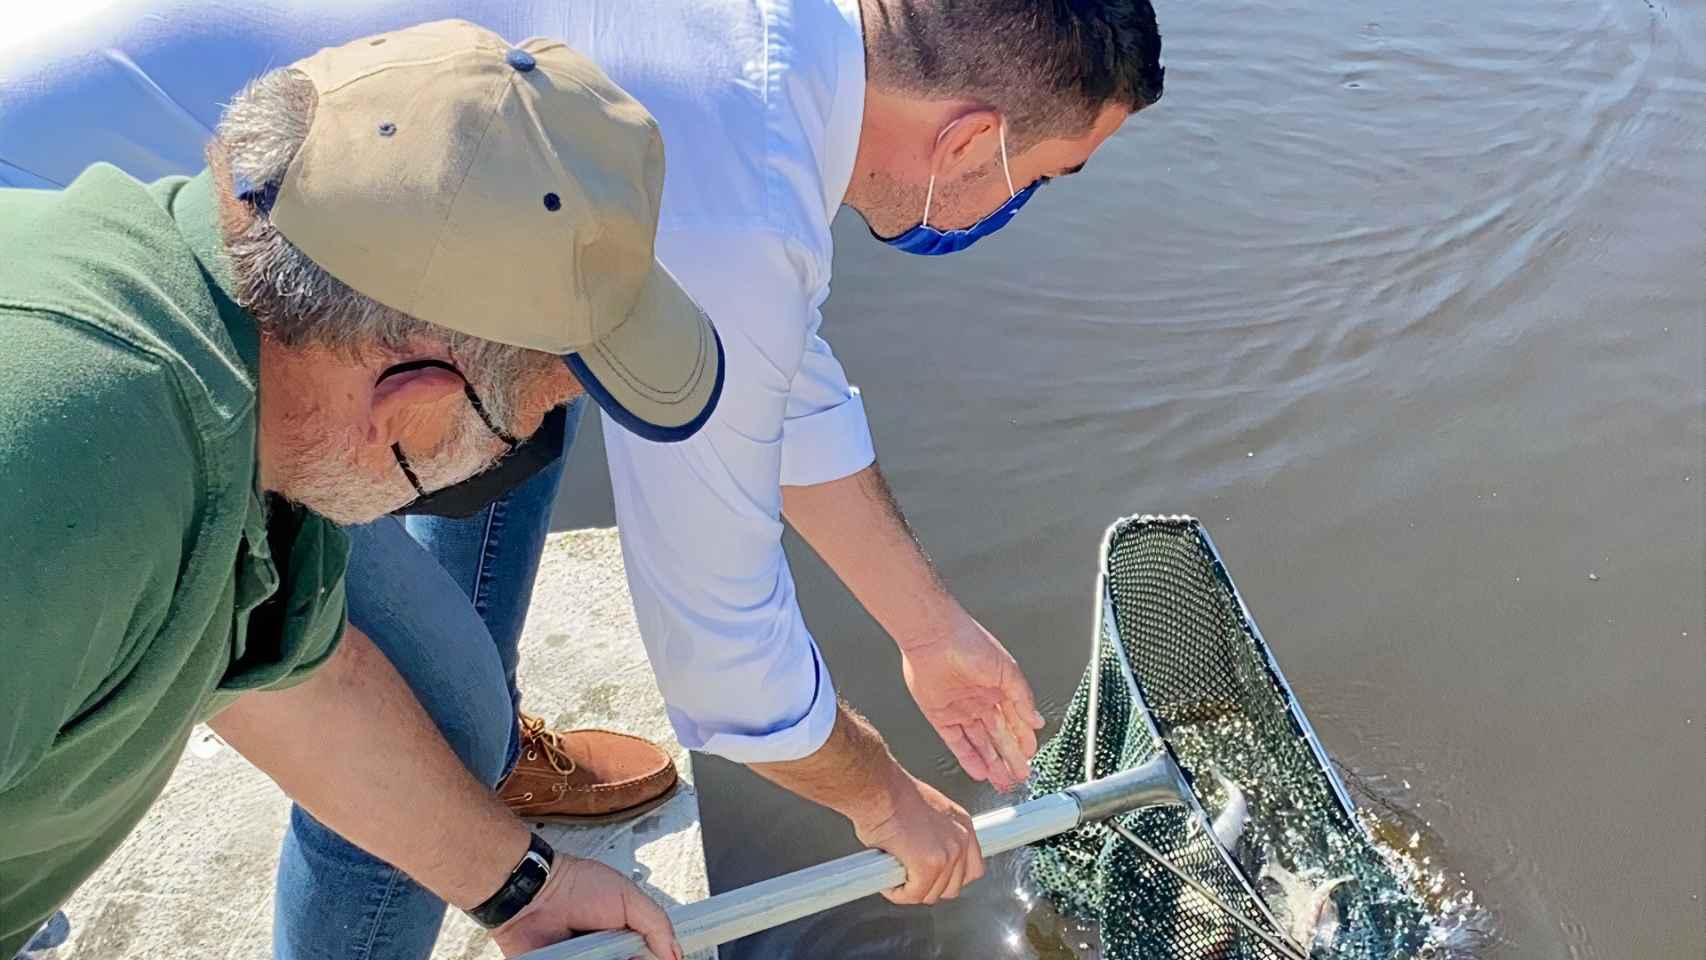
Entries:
{"x":1229,"y":822}
{"x":1305,"y":909}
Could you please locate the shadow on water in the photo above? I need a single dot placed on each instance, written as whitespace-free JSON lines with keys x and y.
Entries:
{"x":1407,"y":302}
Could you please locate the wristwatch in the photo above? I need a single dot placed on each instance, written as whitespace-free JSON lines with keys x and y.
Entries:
{"x":524,"y":883}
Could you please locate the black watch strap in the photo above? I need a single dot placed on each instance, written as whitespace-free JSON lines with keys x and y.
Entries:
{"x":524,"y":883}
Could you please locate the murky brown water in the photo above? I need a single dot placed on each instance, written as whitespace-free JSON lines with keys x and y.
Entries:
{"x":1407,"y":302}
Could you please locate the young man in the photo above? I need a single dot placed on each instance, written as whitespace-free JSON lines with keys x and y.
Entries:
{"x":399,"y":253}
{"x":933,"y":119}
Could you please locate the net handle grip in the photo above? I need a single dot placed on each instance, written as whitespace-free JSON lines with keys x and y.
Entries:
{"x":771,"y":903}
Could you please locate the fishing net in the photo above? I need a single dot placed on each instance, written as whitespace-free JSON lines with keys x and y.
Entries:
{"x":1178,"y":666}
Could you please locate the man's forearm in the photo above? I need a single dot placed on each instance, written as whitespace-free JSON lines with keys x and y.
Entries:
{"x":857,"y":528}
{"x":354,"y":748}
{"x":966,"y":683}
{"x":853,"y":773}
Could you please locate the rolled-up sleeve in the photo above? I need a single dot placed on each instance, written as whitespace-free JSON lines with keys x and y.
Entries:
{"x":825,"y":435}
{"x":700,"y":520}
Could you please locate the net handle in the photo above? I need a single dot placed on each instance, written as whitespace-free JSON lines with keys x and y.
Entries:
{"x":770,"y":903}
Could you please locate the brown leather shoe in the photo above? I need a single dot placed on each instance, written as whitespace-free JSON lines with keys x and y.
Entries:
{"x":585,"y":776}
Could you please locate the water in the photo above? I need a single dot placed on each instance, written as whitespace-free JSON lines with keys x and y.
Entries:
{"x":1407,"y":303}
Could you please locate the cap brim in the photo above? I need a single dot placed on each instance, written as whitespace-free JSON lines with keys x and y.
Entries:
{"x":660,"y":373}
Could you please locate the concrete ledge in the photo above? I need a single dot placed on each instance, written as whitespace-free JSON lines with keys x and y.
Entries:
{"x":195,"y":880}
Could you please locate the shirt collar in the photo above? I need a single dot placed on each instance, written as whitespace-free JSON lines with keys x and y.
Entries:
{"x":846,"y":114}
{"x":196,"y":211}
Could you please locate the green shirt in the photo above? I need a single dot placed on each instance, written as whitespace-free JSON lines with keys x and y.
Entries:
{"x":144,"y":583}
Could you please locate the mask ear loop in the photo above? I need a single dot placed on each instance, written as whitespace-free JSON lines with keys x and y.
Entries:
{"x":509,"y":439}
{"x":408,"y":470}
{"x":930,"y":191}
{"x":1011,"y":193}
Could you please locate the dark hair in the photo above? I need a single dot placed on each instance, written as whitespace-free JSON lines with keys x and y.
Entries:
{"x":1049,"y":66}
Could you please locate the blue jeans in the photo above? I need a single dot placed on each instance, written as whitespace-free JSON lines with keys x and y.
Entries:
{"x":445,"y":600}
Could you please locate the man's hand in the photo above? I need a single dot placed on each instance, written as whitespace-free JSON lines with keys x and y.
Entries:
{"x":583,"y":896}
{"x":966,"y":683}
{"x":971,"y":691}
{"x":854,"y":774}
{"x":931,"y":836}
{"x":323,"y":740}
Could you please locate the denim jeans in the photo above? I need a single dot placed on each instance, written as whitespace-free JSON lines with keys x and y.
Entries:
{"x":445,"y":600}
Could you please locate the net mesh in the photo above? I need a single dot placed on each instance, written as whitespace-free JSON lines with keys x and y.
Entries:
{"x":1174,"y":638}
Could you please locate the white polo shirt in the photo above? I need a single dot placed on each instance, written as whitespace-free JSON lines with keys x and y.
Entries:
{"x":760,"y":103}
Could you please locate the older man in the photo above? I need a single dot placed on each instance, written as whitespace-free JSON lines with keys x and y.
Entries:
{"x":936,"y":121}
{"x":401,"y":250}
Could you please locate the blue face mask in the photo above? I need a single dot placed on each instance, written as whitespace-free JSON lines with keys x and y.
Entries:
{"x":927,"y":241}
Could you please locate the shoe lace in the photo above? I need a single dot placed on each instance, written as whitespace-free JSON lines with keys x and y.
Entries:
{"x":536,"y":736}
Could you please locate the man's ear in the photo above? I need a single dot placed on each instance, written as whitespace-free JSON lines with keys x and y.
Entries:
{"x":401,"y":400}
{"x":969,"y":142}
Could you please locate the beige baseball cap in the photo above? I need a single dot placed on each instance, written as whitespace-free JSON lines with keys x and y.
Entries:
{"x":507,"y":192}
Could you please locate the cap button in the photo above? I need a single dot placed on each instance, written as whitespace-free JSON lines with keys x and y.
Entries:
{"x":521,"y":60}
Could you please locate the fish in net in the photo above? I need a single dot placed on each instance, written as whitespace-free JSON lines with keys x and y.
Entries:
{"x":1266,"y":828}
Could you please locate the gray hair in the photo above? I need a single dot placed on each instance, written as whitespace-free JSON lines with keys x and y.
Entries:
{"x":298,"y":303}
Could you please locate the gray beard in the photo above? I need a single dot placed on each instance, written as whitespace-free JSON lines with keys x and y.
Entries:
{"x":328,"y":478}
